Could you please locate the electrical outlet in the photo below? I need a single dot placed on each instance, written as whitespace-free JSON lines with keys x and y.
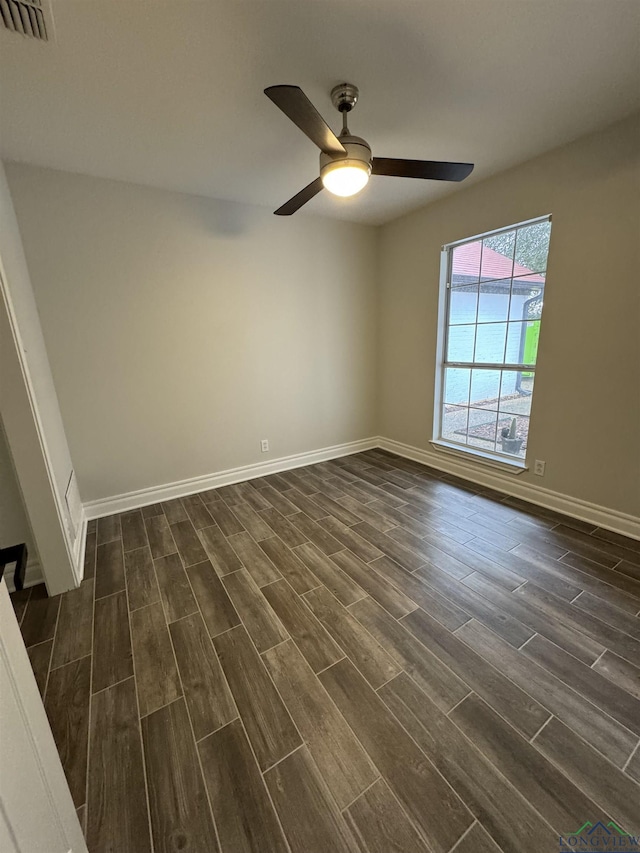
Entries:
{"x":264,"y":445}
{"x":538,"y":467}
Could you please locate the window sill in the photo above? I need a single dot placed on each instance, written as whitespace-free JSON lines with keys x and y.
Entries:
{"x":515,"y":466}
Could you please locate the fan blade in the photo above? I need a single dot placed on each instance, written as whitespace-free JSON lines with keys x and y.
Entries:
{"x":430,"y":170}
{"x":295,"y":105}
{"x":301,"y":198}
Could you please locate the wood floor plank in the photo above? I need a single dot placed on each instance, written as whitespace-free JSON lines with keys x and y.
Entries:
{"x":40,"y":658}
{"x":222,"y":556}
{"x":411,"y":777}
{"x":266,"y":720}
{"x":548,"y":790}
{"x":117,"y":817}
{"x":607,"y":551}
{"x":633,"y":767}
{"x":109,"y":568}
{"x":343,"y":764}
{"x":620,"y":672}
{"x":477,"y":840}
{"x":514,"y":824}
{"x":312,"y":639}
{"x":283,"y":527}
{"x":180,"y":814}
{"x":587,"y":681}
{"x":134,"y":534}
{"x":209,"y":700}
{"x":572,"y":641}
{"x":142,"y":585}
{"x":297,"y":789}
{"x":174,"y":511}
{"x":441,"y":608}
{"x":412,"y":521}
{"x":243,"y":813}
{"x":262,"y":624}
{"x":275,"y":499}
{"x":217,"y":610}
{"x":74,"y":633}
{"x":175,"y":589}
{"x":254,"y":558}
{"x":597,"y":583}
{"x":357,"y":512}
{"x":350,"y":539}
{"x":328,"y":573}
{"x":616,"y":579}
{"x":380,"y":824}
{"x":155,"y":667}
{"x":226,"y":520}
{"x":288,"y":564}
{"x":489,"y":682}
{"x":526,"y":570}
{"x":365,"y":652}
{"x":160,"y":538}
{"x":590,"y":771}
{"x":312,"y":531}
{"x":89,"y":568}
{"x":253,"y":523}
{"x":592,"y":724}
{"x":439,"y":682}
{"x":483,"y":609}
{"x":150,"y":510}
{"x":197,"y":511}
{"x":188,"y":543}
{"x":339,"y":508}
{"x":109,"y":529}
{"x":608,"y":613}
{"x":374,"y":584}
{"x":112,"y":657}
{"x":67,"y":707}
{"x":594,"y":628}
{"x":403,"y":556}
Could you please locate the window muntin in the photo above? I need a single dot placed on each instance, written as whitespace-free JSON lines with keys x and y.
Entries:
{"x":489,"y":341}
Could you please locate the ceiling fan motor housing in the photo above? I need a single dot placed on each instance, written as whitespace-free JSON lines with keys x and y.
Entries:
{"x":357,"y":150}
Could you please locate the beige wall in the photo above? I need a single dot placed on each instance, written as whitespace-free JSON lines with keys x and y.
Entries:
{"x":585,"y":419}
{"x":182,"y":330}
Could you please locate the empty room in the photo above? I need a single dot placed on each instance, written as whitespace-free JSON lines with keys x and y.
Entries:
{"x":319,"y":426}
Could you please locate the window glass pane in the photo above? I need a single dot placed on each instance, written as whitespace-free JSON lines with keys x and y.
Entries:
{"x":465,"y":263}
{"x":512,"y":440}
{"x":532,"y":248}
{"x":493,"y":304}
{"x":515,"y":396}
{"x":490,"y":342}
{"x":454,"y":423}
{"x":463,"y":304}
{"x":481,"y":429}
{"x":526,"y":297}
{"x":460,"y":343}
{"x":456,"y":385}
{"x":522,"y":342}
{"x":497,"y":256}
{"x":485,"y":389}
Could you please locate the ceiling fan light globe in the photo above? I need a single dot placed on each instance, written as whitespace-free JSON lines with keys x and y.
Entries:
{"x":345,"y":177}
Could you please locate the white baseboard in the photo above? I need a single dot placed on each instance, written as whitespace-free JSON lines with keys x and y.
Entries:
{"x":32,"y":575}
{"x":600,"y":516}
{"x":181,"y":488}
{"x":595,"y":514}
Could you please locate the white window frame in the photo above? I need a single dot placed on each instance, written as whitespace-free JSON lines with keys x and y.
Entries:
{"x":494,"y":459}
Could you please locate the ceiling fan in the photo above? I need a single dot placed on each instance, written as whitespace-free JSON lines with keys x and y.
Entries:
{"x":345,"y":161}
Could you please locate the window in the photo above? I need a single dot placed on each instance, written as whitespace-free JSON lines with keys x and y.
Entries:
{"x":491,"y":308}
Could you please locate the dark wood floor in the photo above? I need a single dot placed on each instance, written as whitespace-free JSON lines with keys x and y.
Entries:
{"x":361,"y":655}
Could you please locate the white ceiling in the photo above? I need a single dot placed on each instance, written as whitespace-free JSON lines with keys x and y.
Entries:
{"x":170,"y":93}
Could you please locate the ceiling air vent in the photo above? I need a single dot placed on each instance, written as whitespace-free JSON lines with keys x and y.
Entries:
{"x":26,"y":17}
